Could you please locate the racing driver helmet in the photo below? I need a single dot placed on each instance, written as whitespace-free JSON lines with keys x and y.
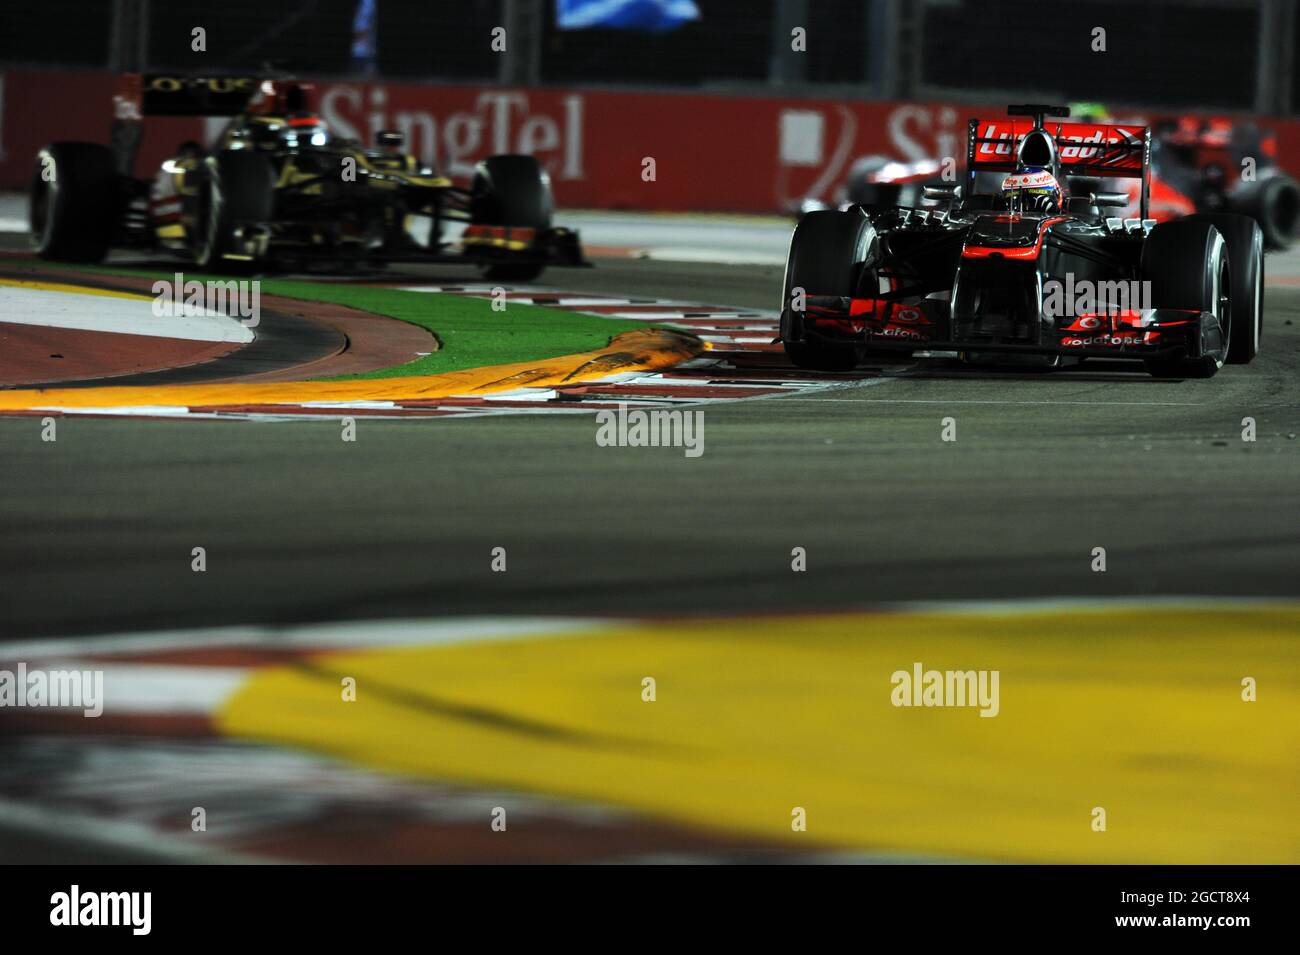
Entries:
{"x":1031,"y":189}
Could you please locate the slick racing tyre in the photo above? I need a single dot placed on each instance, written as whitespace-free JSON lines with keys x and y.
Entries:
{"x":1245,"y":241}
{"x":511,"y":191}
{"x":828,"y":253}
{"x":75,"y":202}
{"x":1187,"y":264}
{"x":823,"y":356}
{"x":239,"y":190}
{"x":1273,"y":202}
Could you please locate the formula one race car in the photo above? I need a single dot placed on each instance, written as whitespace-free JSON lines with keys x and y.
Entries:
{"x":880,"y":181}
{"x":278,"y":188}
{"x":1198,"y":164}
{"x":1033,"y":272}
{"x":1221,"y":165}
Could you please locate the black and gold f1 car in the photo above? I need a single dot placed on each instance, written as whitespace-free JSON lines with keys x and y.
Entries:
{"x":276,"y":188}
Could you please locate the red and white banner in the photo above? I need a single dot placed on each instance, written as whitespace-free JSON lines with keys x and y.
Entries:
{"x":709,"y":152}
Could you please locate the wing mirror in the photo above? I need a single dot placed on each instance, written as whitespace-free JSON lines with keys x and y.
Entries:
{"x":390,"y":140}
{"x":1116,"y":200}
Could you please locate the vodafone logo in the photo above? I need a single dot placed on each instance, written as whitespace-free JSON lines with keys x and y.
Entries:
{"x":908,"y":315}
{"x":1133,"y":339}
{"x":1029,"y":180}
{"x":896,"y":333}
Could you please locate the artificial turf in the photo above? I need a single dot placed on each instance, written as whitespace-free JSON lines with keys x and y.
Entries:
{"x":469,"y":332}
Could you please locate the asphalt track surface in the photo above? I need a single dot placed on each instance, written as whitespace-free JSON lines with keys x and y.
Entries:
{"x":98,"y":527}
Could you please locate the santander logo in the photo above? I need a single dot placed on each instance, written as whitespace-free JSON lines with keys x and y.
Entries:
{"x":497,"y":121}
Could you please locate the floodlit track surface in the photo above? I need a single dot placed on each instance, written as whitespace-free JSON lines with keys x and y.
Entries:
{"x":300,"y":527}
{"x":303,"y":526}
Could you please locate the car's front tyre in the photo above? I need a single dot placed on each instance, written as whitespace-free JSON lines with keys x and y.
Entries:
{"x":1246,"y":242}
{"x":238,"y":190}
{"x":828,"y":254}
{"x":1188,"y":266}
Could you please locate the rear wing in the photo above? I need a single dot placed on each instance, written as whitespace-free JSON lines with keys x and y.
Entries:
{"x":159,"y":94}
{"x":1119,"y":150}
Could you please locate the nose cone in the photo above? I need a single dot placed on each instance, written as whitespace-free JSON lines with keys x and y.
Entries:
{"x":1003,"y":231}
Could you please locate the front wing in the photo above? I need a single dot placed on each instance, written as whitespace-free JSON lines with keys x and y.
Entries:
{"x":926,"y":326}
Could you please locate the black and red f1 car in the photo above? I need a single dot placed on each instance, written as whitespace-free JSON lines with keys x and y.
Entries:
{"x":996,"y":276}
{"x":1223,"y":165}
{"x":277,"y":187}
{"x":1198,"y":164}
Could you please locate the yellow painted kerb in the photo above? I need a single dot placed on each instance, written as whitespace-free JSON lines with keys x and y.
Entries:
{"x":71,"y":289}
{"x":639,"y":350}
{"x":1140,"y":714}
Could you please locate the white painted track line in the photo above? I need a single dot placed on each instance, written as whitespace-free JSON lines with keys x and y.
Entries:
{"x":21,"y":305}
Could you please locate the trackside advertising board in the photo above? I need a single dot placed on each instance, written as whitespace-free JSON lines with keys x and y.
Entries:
{"x":619,"y":150}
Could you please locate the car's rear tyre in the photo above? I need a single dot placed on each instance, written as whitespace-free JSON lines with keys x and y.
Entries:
{"x":1188,"y":266}
{"x":75,"y":202}
{"x":512,"y":191}
{"x":1245,"y":241}
{"x":1273,"y":202}
{"x":238,"y":190}
{"x":829,"y":252}
{"x":823,"y":356}
{"x":513,"y":271}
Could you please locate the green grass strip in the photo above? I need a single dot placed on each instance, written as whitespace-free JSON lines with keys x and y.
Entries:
{"x":471,"y":333}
